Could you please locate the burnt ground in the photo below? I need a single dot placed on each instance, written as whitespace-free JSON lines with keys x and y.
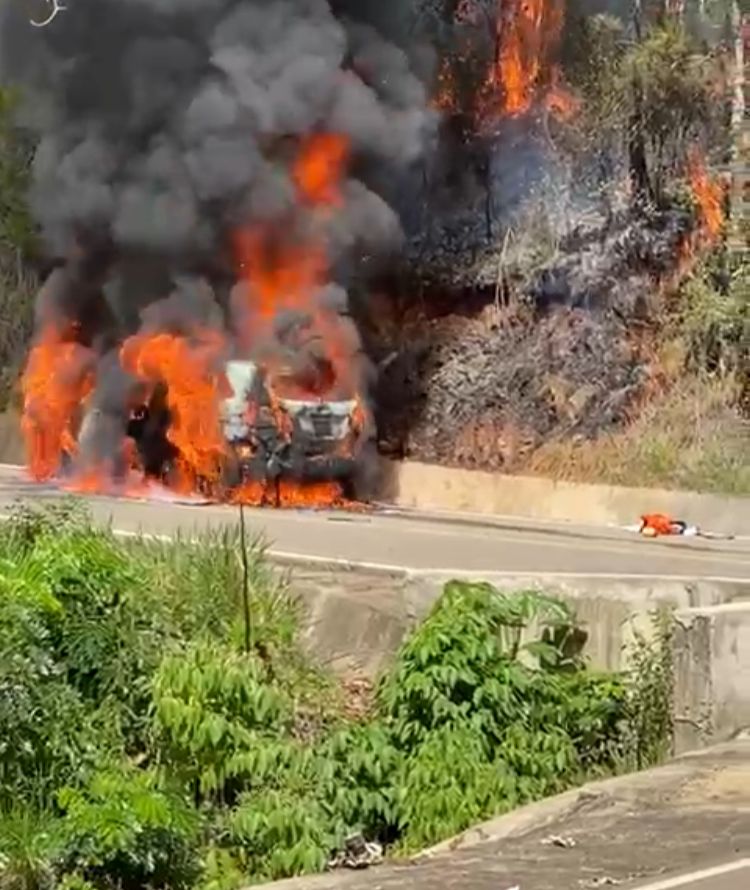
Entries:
{"x":691,"y":814}
{"x":482,"y":376}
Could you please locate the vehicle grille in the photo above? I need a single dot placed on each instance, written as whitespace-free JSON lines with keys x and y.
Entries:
{"x":322,"y":426}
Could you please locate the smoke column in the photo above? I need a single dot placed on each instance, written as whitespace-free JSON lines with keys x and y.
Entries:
{"x":175,"y":133}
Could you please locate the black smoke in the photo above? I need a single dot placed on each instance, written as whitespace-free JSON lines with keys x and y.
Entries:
{"x":165,"y":125}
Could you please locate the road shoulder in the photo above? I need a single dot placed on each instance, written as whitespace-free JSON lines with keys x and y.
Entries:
{"x":690,"y":814}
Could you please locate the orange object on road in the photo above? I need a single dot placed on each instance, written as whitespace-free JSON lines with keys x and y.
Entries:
{"x":655,"y":524}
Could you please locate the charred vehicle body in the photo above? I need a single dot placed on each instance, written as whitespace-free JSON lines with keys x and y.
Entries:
{"x":268,"y":437}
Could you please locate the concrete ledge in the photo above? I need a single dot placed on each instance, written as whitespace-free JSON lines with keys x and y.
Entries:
{"x":712,"y":673}
{"x":539,"y":815}
{"x":430,"y":487}
{"x":357,"y":616}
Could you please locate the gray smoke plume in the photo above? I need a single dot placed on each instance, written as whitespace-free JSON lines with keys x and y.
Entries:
{"x":166,"y":125}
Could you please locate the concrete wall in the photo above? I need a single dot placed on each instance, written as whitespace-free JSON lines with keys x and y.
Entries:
{"x":11,"y":443}
{"x":712,"y":674}
{"x":356,"y":619}
{"x":430,"y":487}
{"x":424,"y":486}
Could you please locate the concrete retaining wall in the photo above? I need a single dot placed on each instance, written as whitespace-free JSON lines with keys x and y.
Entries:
{"x":712,"y":674}
{"x":356,"y":619}
{"x":424,"y":486}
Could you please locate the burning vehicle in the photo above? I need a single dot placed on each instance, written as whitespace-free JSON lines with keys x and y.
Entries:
{"x":175,"y":140}
{"x":284,"y":142}
{"x":269,"y":439}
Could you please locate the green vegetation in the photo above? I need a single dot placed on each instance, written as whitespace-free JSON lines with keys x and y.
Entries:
{"x":18,"y":282}
{"x":692,"y":431}
{"x":142,"y":745}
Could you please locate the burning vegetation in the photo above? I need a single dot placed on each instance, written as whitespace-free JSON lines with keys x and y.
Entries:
{"x":226,"y":187}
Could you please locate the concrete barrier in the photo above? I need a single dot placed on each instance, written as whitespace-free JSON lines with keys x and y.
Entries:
{"x":712,"y":674}
{"x":429,"y":487}
{"x":355,"y":619}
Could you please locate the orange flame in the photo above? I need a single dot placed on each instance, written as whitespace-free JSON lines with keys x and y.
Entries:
{"x":56,"y":381}
{"x":282,"y":275}
{"x":194,"y":395}
{"x":287,"y":493}
{"x":312,"y":494}
{"x":527,"y":35}
{"x":284,"y":272}
{"x":708,"y":196}
{"x":320,"y":168}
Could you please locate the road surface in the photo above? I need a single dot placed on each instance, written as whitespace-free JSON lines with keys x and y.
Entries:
{"x":728,"y":876}
{"x":413,"y":541}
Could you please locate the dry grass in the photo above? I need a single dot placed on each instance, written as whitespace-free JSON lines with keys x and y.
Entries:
{"x":691,"y":438}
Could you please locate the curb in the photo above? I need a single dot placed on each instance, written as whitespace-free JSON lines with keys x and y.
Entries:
{"x":538,"y":815}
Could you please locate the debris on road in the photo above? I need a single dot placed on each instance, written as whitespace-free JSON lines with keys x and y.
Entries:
{"x":556,"y":840}
{"x":654,"y":525}
{"x":357,"y":853}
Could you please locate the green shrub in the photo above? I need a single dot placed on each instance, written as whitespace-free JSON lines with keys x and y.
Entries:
{"x":450,"y":782}
{"x":492,"y":696}
{"x":45,"y":737}
{"x":217,"y":718}
{"x":160,"y":753}
{"x":279,"y":833}
{"x":30,"y":847}
{"x":358,"y":768}
{"x":650,"y":693}
{"x":461,"y":664}
{"x":126,"y":830}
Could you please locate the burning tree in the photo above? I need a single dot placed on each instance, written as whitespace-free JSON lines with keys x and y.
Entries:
{"x":549,"y":267}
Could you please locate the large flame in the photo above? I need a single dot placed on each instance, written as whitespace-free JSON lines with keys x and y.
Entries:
{"x":56,"y":381}
{"x":195,"y":390}
{"x":285,"y":268}
{"x":524,"y":72}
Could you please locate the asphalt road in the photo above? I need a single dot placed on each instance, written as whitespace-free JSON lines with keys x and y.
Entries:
{"x":413,"y":541}
{"x":730,"y":876}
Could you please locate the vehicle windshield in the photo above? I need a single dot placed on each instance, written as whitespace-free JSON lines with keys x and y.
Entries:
{"x":317,"y":381}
